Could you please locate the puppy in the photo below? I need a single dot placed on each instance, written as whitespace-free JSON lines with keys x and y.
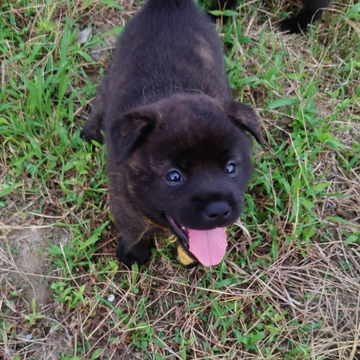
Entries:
{"x":311,"y":11}
{"x":178,"y":146}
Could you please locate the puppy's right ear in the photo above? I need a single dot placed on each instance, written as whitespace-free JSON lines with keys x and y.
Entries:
{"x":131,"y":131}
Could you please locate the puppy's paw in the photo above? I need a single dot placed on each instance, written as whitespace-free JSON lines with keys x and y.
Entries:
{"x":298,"y":23}
{"x":139,"y":254}
{"x":93,"y":127}
{"x":89,"y":134}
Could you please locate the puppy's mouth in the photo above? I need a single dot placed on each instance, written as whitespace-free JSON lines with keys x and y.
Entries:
{"x":207,"y":246}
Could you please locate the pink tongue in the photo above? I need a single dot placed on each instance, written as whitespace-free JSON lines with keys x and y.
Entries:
{"x":208,"y":246}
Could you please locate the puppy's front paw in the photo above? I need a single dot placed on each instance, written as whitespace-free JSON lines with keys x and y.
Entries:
{"x":92,"y":128}
{"x":89,"y":134}
{"x":139,"y":253}
{"x":298,"y":23}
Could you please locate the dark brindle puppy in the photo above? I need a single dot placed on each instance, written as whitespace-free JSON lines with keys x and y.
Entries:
{"x":179,"y":156}
{"x":311,"y":11}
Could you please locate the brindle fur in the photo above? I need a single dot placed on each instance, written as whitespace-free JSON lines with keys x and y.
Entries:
{"x":165,"y":103}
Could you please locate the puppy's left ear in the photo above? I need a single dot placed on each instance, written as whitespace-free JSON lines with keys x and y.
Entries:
{"x":244,"y":117}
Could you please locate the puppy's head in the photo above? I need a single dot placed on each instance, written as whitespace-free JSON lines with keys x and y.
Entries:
{"x":189,"y":162}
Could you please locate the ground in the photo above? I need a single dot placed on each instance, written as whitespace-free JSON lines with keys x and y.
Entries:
{"x":289,"y":285}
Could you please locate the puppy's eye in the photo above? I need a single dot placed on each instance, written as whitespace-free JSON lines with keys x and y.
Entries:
{"x":231,"y":168}
{"x":174,"y":177}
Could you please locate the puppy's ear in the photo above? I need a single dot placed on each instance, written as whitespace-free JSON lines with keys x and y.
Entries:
{"x":244,"y":117}
{"x":131,"y":131}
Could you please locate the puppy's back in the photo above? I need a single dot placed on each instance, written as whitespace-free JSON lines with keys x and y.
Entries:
{"x":170,"y":46}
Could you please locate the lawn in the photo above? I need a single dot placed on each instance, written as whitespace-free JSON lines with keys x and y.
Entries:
{"x":289,"y":286}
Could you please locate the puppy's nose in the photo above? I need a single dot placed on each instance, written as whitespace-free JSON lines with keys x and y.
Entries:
{"x":216,"y":212}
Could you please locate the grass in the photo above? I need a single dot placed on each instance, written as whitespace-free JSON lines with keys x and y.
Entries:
{"x":289,"y":286}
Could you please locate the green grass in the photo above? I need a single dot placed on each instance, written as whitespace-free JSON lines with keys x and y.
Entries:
{"x":288,"y":288}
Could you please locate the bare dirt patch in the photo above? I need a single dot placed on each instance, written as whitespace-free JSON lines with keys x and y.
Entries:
{"x":26,"y":274}
{"x":26,"y":261}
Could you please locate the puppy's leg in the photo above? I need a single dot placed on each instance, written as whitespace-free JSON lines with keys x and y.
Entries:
{"x":92,"y":129}
{"x":94,"y":125}
{"x":137,"y":237}
{"x":310,"y":12}
{"x":137,"y":232}
{"x":135,"y":247}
